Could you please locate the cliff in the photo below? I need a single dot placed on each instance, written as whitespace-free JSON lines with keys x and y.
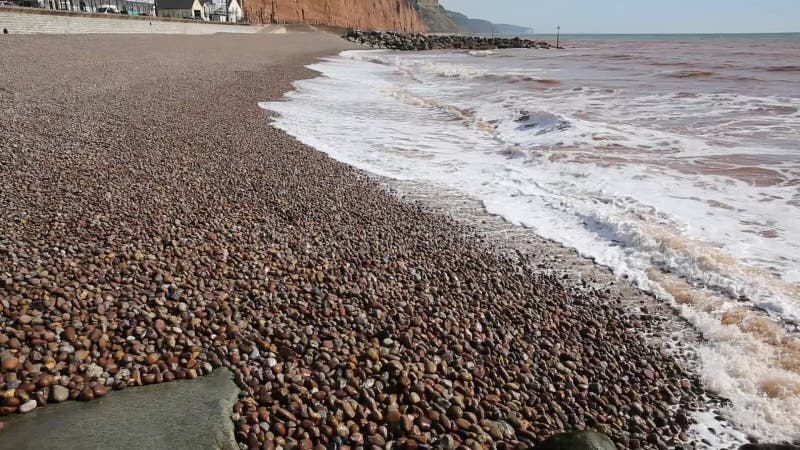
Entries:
{"x":397,"y":15}
{"x":390,"y":15}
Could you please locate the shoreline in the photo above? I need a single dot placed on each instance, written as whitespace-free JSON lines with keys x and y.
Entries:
{"x":344,"y":313}
{"x":461,"y":130}
{"x":666,"y":330}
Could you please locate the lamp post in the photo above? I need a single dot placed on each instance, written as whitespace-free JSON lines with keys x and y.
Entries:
{"x":558,"y":34}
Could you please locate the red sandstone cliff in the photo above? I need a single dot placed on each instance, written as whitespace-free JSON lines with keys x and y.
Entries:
{"x":397,"y":15}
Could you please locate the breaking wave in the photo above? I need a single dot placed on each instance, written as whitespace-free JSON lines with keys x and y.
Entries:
{"x":684,"y":182}
{"x":690,"y":74}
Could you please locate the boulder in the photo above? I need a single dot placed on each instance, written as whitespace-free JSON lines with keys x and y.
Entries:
{"x":416,"y":41}
{"x":769,"y":447}
{"x":577,"y":440}
{"x":185,"y":414}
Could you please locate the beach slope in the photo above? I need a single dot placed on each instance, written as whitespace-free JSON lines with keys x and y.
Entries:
{"x":155,"y":226}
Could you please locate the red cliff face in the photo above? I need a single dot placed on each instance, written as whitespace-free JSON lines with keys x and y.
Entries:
{"x":396,"y":15}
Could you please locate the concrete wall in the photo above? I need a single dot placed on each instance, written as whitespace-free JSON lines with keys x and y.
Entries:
{"x":39,"y":21}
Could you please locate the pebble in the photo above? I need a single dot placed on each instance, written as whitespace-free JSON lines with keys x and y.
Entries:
{"x":28,"y":406}
{"x":86,"y":394}
{"x":94,"y":371}
{"x":99,"y":390}
{"x":59,"y":393}
{"x":10,"y":363}
{"x":446,"y":442}
{"x":349,"y":318}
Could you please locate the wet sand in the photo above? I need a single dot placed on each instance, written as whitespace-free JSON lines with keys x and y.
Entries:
{"x":155,"y":227}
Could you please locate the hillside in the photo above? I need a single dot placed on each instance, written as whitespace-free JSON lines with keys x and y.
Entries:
{"x":480,"y":26}
{"x":436,"y":19}
{"x":440,"y":20}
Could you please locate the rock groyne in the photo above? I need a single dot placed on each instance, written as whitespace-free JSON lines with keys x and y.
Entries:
{"x":420,"y":41}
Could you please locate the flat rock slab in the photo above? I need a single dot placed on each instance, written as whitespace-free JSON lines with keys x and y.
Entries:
{"x":187,"y":414}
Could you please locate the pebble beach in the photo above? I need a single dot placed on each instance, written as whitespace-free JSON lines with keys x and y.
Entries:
{"x":156,"y":227}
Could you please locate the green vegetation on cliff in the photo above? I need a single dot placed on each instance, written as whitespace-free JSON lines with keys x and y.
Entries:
{"x":440,"y":20}
{"x":437,"y":20}
{"x":480,"y":26}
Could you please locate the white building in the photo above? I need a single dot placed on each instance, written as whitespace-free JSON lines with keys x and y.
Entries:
{"x":235,"y":13}
{"x":224,"y":11}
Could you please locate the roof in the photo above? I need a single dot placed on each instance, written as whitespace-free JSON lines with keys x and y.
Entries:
{"x":174,"y":4}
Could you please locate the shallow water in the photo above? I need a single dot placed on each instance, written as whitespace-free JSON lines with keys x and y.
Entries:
{"x":675,"y":162}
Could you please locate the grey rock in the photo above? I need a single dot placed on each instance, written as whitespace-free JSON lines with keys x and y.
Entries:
{"x":187,"y":414}
{"x":577,"y":440}
{"x":501,"y":429}
{"x":59,"y":393}
{"x":447,"y":442}
{"x":94,"y":371}
{"x":769,"y":447}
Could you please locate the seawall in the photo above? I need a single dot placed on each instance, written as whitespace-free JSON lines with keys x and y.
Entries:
{"x":42,"y":21}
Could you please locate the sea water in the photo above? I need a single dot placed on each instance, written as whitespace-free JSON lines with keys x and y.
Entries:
{"x":673,"y":160}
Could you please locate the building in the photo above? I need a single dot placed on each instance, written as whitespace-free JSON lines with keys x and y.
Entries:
{"x":182,"y":9}
{"x":128,"y":7}
{"x":220,"y":11}
{"x":235,"y":13}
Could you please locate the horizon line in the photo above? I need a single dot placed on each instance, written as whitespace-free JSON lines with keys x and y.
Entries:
{"x":673,"y":33}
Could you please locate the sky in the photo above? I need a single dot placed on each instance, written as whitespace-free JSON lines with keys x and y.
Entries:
{"x":638,"y":16}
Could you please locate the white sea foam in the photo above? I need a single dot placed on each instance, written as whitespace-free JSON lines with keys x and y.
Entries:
{"x":690,"y":192}
{"x":482,"y":53}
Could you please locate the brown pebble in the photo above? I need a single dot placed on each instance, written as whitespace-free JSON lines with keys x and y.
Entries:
{"x":99,"y":390}
{"x":219,"y":241}
{"x":86,"y":394}
{"x":10,"y":363}
{"x":11,"y":402}
{"x":151,"y":358}
{"x":377,"y":440}
{"x":423,"y":423}
{"x":45,"y":380}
